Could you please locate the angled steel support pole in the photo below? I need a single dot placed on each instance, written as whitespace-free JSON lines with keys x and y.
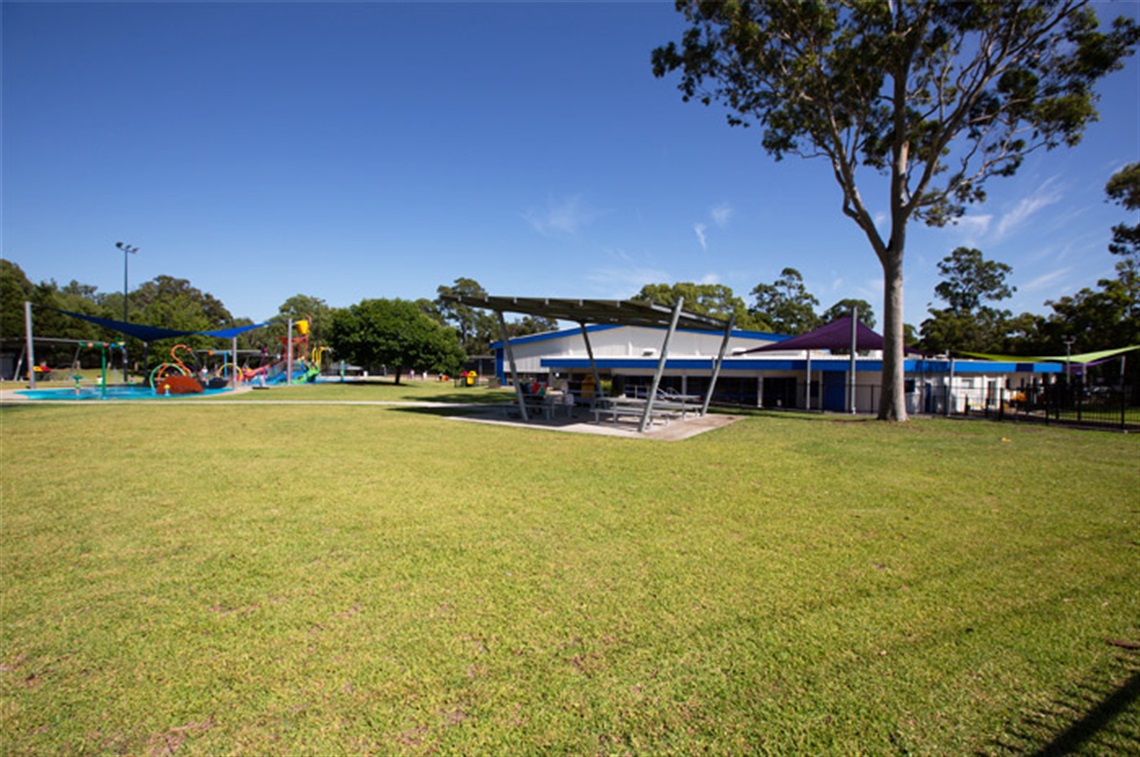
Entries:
{"x":31,"y":347}
{"x":511,"y":360}
{"x":645,"y":415}
{"x":719,"y":362}
{"x":593,"y":363}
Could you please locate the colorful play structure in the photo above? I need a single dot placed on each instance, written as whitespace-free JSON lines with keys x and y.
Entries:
{"x":187,"y":371}
{"x":296,"y":364}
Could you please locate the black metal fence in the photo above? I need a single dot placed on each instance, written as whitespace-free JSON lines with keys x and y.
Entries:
{"x":1059,"y":404}
{"x":1055,"y":404}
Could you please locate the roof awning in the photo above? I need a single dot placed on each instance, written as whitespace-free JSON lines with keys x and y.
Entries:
{"x":614,"y":312}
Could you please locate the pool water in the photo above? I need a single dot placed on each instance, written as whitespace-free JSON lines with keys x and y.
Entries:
{"x":112,"y":393}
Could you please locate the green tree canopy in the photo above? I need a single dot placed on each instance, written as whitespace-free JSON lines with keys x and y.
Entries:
{"x":969,"y":280}
{"x":936,"y":96}
{"x":475,"y":326}
{"x":15,"y":290}
{"x":1124,"y":189}
{"x":968,"y":323}
{"x":173,"y":303}
{"x":395,"y":334}
{"x":845,"y":307}
{"x":786,"y":304}
{"x":716,"y":300}
{"x":530,"y":324}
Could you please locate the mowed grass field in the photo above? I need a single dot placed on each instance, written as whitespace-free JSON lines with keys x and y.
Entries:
{"x":350,"y":579}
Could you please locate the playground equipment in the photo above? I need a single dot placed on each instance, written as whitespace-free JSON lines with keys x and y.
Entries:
{"x":164,"y":371}
{"x":296,"y":366}
{"x":144,"y":333}
{"x":103,"y":347}
{"x":179,"y":384}
{"x":227,"y":366}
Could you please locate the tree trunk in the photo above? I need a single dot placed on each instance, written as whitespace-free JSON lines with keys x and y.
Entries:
{"x":892,"y":406}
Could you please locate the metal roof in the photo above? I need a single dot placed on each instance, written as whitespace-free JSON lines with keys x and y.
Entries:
{"x":616,"y":312}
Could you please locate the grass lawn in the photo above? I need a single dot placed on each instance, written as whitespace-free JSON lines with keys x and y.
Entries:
{"x":354,"y":579}
{"x":379,"y":390}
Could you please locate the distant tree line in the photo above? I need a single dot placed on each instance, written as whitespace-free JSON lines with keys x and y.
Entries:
{"x":379,"y":335}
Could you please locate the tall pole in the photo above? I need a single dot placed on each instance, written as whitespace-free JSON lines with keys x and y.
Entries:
{"x":31,"y":345}
{"x":289,"y":356}
{"x":127,"y":252}
{"x":1068,"y":340}
{"x":854,"y":345}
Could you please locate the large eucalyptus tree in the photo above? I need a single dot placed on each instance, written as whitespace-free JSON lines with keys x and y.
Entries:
{"x":936,"y":96}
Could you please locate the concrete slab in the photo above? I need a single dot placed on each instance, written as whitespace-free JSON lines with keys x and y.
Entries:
{"x":677,"y":430}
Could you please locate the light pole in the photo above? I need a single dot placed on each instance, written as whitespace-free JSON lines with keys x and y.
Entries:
{"x":127,"y":252}
{"x":1068,"y":340}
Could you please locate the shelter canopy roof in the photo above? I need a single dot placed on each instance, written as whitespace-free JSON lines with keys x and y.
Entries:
{"x":1086,"y":358}
{"x":154,"y":333}
{"x":834,"y":336}
{"x":613,"y":312}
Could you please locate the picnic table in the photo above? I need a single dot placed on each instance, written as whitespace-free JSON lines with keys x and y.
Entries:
{"x":615,"y":408}
{"x":549,"y":405}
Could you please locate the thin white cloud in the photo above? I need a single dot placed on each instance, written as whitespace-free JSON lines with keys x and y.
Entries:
{"x":973,"y":228}
{"x":871,"y":289}
{"x":1044,"y":196}
{"x":709,"y":278}
{"x":618,"y":254}
{"x":1045,"y":280}
{"x":721,"y":213}
{"x":564,"y":216}
{"x":622,"y":283}
{"x":720,"y":216}
{"x":699,"y":229}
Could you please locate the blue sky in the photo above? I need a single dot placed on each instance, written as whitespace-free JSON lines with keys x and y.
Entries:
{"x":357,"y":150}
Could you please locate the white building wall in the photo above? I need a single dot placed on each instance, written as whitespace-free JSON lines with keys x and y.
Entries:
{"x":622,"y":342}
{"x":644,"y":344}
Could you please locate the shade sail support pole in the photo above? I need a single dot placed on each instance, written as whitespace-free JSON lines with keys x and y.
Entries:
{"x":719,"y":362}
{"x":593,"y":362}
{"x":511,"y":361}
{"x":854,"y":340}
{"x":950,"y":389}
{"x":807,"y":383}
{"x":289,"y":355}
{"x":646,"y":414}
{"x":30,"y":346}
